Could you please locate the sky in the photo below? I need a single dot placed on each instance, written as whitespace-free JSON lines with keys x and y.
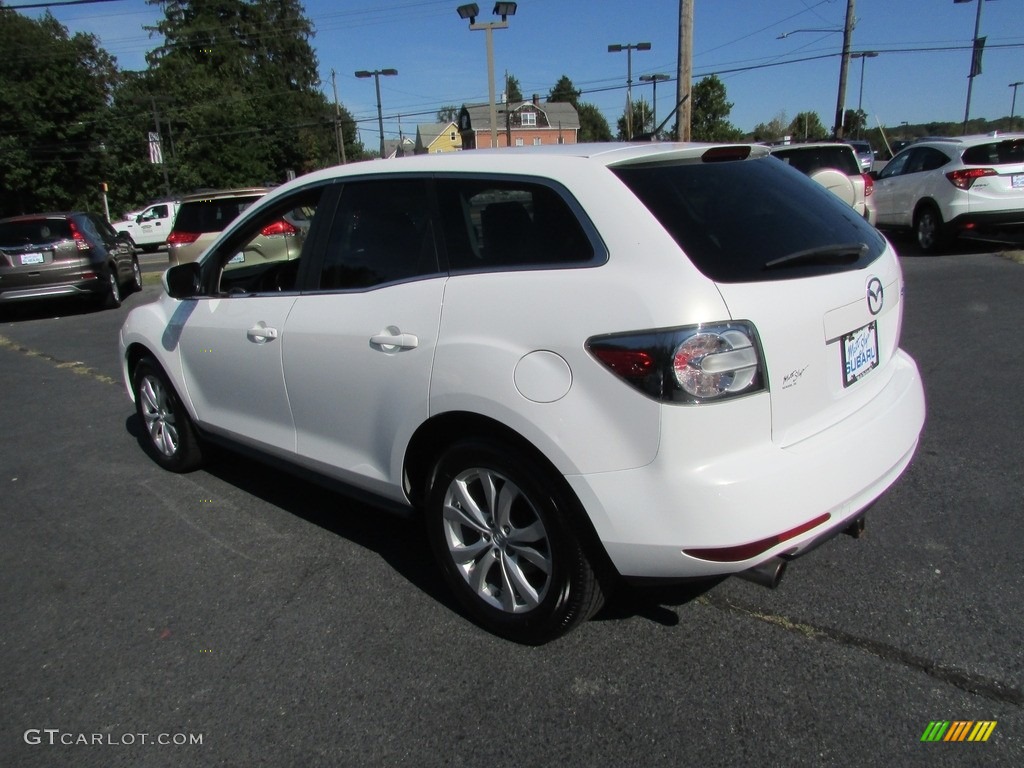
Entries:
{"x":920,"y":74}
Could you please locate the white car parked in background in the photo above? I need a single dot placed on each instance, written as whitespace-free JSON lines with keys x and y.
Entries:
{"x":149,"y":228}
{"x":945,"y":187}
{"x":577,"y":363}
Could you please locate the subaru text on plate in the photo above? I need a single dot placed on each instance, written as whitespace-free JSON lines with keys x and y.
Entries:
{"x":576,"y":363}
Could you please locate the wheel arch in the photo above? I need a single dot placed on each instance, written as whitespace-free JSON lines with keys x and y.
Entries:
{"x":922,"y":204}
{"x":441,"y":432}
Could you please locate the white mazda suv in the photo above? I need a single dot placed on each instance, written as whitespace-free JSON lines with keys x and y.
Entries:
{"x":576,"y":364}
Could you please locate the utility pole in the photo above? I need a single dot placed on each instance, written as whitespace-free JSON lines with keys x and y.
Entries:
{"x":338,"y":133}
{"x":844,"y":65}
{"x":684,"y":75}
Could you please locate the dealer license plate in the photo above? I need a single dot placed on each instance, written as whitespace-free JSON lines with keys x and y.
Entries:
{"x":32,"y":258}
{"x":860,"y":353}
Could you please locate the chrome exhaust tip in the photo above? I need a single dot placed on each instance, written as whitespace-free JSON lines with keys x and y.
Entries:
{"x":767,"y":574}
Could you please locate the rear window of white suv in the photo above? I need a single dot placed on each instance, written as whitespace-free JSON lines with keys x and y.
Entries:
{"x":753,"y":220}
{"x":1008,"y":152}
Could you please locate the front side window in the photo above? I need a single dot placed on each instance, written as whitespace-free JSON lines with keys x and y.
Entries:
{"x":157,"y":212}
{"x":381,"y":233}
{"x":897,"y":166}
{"x":264,"y":255}
{"x":494,"y":224}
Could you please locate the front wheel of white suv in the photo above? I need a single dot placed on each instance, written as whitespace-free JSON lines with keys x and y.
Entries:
{"x":930,"y":230}
{"x":497,"y":522}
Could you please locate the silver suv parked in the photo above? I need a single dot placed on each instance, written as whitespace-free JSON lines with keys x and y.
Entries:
{"x":834,"y":165}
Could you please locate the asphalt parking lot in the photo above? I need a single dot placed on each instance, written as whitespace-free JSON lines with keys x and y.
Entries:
{"x":276,"y":623}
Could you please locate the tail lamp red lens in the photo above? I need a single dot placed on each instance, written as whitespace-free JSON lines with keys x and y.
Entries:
{"x":279,"y":227}
{"x":695,"y":364}
{"x":869,"y":185}
{"x":80,"y":242}
{"x":965,"y":177}
{"x":182,"y":238}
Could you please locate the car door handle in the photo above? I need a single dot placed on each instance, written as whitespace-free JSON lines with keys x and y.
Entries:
{"x":261,"y":334}
{"x":389,"y":341}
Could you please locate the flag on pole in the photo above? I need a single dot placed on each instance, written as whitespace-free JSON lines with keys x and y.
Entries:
{"x":156,"y":154}
{"x":979,"y":48}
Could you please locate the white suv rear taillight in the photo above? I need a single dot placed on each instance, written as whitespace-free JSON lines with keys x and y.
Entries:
{"x":965,"y":177}
{"x":695,"y":364}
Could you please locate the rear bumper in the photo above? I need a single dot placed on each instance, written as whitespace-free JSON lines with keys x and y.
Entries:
{"x":994,"y":220}
{"x":711,"y":492}
{"x":23,"y":288}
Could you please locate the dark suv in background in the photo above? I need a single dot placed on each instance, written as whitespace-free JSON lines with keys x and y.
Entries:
{"x":48,"y":255}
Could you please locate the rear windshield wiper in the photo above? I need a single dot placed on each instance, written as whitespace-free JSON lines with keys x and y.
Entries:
{"x":840,"y":254}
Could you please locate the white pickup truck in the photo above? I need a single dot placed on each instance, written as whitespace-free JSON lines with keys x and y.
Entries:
{"x":150,"y":228}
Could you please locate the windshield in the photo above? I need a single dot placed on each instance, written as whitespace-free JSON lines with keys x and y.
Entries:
{"x":734,"y":219}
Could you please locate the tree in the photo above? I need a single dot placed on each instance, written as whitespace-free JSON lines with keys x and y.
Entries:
{"x":55,"y":90}
{"x":593,"y":126}
{"x":807,"y":126}
{"x":643,"y":121}
{"x":448,"y":113}
{"x":564,"y":91}
{"x":236,"y":82}
{"x":774,"y":130}
{"x":710,"y":111}
{"x":513,"y":93}
{"x":854,"y":123}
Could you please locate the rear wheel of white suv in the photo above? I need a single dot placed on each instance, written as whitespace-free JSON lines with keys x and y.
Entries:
{"x":929,"y":229}
{"x":498,"y":524}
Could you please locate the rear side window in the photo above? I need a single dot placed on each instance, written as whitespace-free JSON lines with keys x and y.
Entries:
{"x":211,"y":215}
{"x":753,"y":220}
{"x":500,"y":223}
{"x":1009,"y":152}
{"x":811,"y":159}
{"x":34,"y":232}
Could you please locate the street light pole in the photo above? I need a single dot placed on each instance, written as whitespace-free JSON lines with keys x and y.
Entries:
{"x":653,"y":80}
{"x":629,"y":48}
{"x":1013,"y":102}
{"x":863,"y":56}
{"x":975,"y":60}
{"x":844,"y":63}
{"x":375,"y":74}
{"x":471,"y":11}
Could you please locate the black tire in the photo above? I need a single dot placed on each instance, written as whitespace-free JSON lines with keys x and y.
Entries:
{"x":136,"y":284}
{"x":930,"y":231}
{"x":499,"y":525}
{"x":169,"y":435}
{"x":112,"y":297}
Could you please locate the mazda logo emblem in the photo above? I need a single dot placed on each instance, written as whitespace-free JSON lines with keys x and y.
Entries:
{"x":875,"y":296}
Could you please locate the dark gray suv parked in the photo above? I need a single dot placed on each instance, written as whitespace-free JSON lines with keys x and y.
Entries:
{"x":48,"y":255}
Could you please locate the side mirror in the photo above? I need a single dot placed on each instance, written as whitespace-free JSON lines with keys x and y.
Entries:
{"x":183,"y":281}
